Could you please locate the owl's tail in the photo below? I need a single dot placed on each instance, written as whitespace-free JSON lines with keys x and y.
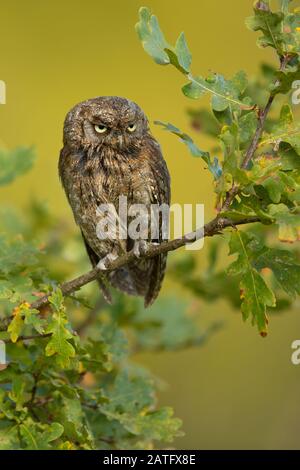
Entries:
{"x":159,"y":264}
{"x":143,"y":278}
{"x":104,"y":289}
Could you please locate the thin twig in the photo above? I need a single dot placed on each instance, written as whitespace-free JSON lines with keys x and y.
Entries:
{"x":262,"y":116}
{"x":27,"y":338}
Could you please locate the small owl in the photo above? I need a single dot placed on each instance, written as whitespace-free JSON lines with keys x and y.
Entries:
{"x":109,"y":152}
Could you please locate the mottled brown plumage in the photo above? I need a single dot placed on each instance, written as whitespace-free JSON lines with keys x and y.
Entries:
{"x":109,"y":151}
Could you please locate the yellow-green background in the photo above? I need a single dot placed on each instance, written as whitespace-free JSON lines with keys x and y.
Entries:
{"x":239,"y":391}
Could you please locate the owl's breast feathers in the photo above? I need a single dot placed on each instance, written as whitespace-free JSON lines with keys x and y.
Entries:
{"x":100,"y":177}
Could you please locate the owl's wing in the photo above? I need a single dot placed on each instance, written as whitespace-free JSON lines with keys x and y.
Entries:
{"x":159,"y":186}
{"x":69,"y":166}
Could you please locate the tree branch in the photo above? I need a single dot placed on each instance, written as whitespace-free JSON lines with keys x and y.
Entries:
{"x":212,"y":228}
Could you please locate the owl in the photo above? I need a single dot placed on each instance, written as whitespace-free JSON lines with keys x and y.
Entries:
{"x":108,"y":152}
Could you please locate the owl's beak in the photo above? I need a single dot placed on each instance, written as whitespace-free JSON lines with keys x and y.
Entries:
{"x":117,"y":138}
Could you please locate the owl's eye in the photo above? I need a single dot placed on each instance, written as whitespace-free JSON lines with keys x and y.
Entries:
{"x":131,"y":127}
{"x":100,"y":128}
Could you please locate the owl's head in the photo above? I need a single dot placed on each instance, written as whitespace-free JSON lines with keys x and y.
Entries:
{"x":109,"y":121}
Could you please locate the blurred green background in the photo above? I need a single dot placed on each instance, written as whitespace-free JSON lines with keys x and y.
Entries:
{"x":239,"y":390}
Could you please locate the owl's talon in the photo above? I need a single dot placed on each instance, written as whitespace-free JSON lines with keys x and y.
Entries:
{"x":140,"y":248}
{"x":106,"y":261}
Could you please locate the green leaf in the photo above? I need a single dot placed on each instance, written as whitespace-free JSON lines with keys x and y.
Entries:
{"x":285,"y":80}
{"x":286,"y":130}
{"x":263,"y":167}
{"x":53,"y":432}
{"x":56,"y":300}
{"x":288,"y":222}
{"x":174,"y":330}
{"x":230,"y":144}
{"x":59,"y":344}
{"x":16,"y":325}
{"x":241,"y":244}
{"x":9,"y":439}
{"x":224,"y":92}
{"x":152,"y":38}
{"x":130,"y":402}
{"x":240,"y":81}
{"x":17,"y":392}
{"x":105,"y":353}
{"x":71,"y":415}
{"x":18,"y":262}
{"x":16,"y":255}
{"x":156,"y":46}
{"x":292,"y":36}
{"x":270,"y":24}
{"x":275,"y":187}
{"x":129,"y":394}
{"x":286,"y":115}
{"x":30,"y":437}
{"x":256,"y":296}
{"x":5,"y":291}
{"x":289,"y":158}
{"x":238,"y":215}
{"x":159,"y":425}
{"x":247,"y":126}
{"x":14,"y":163}
{"x":33,"y":318}
{"x":252,"y":206}
{"x":35,"y":439}
{"x":213,"y":166}
{"x":285,"y":267}
{"x":183,"y":54}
